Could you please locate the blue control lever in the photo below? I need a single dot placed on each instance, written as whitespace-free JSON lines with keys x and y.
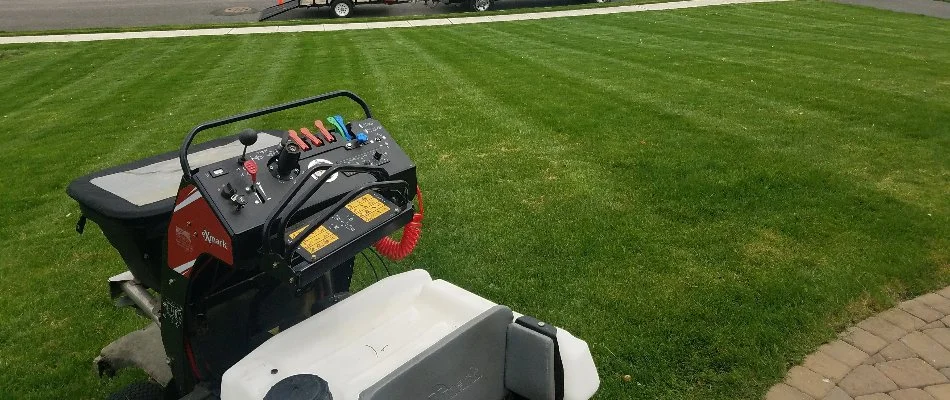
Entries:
{"x":340,"y":124}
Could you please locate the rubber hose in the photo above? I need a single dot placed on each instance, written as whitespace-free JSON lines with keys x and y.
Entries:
{"x":397,"y":250}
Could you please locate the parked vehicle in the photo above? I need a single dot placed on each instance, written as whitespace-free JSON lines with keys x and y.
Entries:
{"x":338,"y":8}
{"x":344,"y":8}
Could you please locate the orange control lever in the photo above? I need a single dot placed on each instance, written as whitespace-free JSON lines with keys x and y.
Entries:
{"x":323,"y":130}
{"x":298,"y":140}
{"x":313,"y":139}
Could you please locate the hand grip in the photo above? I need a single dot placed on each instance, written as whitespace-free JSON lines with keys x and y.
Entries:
{"x":183,"y":150}
{"x":291,"y":202}
{"x":400,"y":186}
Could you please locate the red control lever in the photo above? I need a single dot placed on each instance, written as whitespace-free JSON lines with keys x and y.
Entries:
{"x":323,"y":130}
{"x":298,"y":140}
{"x":313,"y":139}
{"x":251,"y":167}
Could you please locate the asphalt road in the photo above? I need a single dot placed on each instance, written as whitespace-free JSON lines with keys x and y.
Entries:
{"x":932,"y":8}
{"x":28,"y":15}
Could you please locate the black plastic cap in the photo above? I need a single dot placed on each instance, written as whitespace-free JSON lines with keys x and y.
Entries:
{"x":300,"y":387}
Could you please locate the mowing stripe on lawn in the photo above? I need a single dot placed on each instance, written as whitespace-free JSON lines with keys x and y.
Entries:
{"x":821,"y":25}
{"x":759,"y":21}
{"x":839,"y":56}
{"x":777,"y":58}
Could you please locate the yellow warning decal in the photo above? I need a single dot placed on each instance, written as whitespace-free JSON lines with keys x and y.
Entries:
{"x":317,"y":240}
{"x":294,"y":234}
{"x":367,"y":207}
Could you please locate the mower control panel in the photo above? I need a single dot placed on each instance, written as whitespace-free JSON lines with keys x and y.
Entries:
{"x":246,"y":190}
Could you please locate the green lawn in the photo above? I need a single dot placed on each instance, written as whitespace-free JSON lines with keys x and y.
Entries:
{"x":704,"y":195}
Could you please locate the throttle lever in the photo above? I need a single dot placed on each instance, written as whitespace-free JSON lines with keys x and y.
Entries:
{"x":251,"y":167}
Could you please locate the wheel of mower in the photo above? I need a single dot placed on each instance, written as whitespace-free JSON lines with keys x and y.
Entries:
{"x":341,"y":8}
{"x":139,"y":391}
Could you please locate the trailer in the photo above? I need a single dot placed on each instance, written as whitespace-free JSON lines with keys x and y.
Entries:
{"x":338,"y":8}
{"x":344,"y":8}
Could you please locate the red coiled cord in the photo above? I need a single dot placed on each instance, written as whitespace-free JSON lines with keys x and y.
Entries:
{"x":396,"y":251}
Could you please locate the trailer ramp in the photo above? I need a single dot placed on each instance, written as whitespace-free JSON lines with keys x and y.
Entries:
{"x":281,"y":7}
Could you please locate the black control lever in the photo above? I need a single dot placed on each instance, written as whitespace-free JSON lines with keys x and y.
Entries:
{"x":287,"y":162}
{"x":247,"y":137}
{"x":237,"y":196}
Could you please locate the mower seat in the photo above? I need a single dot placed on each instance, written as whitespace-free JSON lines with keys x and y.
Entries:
{"x":133,"y":203}
{"x":409,"y":337}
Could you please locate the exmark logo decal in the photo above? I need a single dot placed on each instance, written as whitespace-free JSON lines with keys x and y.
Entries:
{"x":213,"y":240}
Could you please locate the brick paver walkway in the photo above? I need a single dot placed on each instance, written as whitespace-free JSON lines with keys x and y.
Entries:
{"x":900,"y":354}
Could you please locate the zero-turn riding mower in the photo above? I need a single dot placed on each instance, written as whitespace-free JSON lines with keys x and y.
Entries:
{"x":241,"y":250}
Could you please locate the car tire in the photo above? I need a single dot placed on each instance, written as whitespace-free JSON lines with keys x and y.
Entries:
{"x":341,"y":8}
{"x":139,"y":391}
{"x":480,"y":5}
